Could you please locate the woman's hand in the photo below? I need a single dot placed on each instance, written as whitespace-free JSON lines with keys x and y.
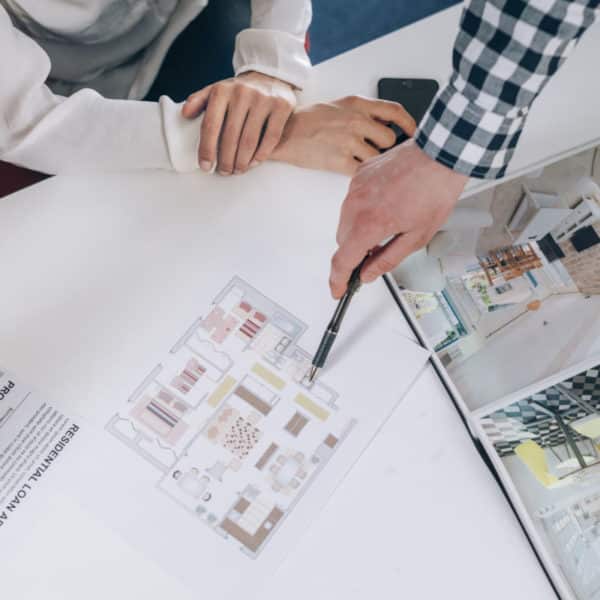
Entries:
{"x":341,"y":135}
{"x":243,"y":122}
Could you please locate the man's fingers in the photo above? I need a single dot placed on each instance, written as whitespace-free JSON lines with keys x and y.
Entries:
{"x":388,"y":257}
{"x":346,"y":222}
{"x":273,"y":132}
{"x":212,"y":124}
{"x":365,"y":235}
{"x":230,"y":137}
{"x":250,"y":138}
{"x":196,"y":103}
{"x":351,"y":209}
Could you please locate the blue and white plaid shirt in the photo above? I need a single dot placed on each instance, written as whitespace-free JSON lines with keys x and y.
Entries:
{"x":505,"y":53}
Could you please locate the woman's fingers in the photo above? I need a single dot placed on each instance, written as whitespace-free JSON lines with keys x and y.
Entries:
{"x":242,"y":127}
{"x":231,"y":134}
{"x":243,"y":121}
{"x":383,"y":111}
{"x":362,"y":150}
{"x":346,"y":165}
{"x":250,"y":138}
{"x":196,"y":103}
{"x":379,"y":134}
{"x":274,"y":130}
{"x":216,"y":109}
{"x":392,"y":112}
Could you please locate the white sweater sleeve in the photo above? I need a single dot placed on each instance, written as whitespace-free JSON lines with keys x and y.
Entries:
{"x":85,"y":131}
{"x":275,"y":43}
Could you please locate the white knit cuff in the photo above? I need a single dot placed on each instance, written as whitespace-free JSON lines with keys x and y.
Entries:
{"x":182,"y":136}
{"x":275,"y":53}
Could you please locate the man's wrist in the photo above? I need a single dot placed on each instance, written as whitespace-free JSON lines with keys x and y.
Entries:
{"x":460,"y":178}
{"x":467,"y":138}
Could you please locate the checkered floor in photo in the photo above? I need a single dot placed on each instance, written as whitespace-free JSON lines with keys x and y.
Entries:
{"x":520,"y":421}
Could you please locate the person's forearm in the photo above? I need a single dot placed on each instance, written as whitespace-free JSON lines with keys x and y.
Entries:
{"x":54,"y":134}
{"x":89,"y":133}
{"x":505,"y":53}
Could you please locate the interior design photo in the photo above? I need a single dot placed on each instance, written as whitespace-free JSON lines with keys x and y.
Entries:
{"x":516,"y":266}
{"x":549,"y":443}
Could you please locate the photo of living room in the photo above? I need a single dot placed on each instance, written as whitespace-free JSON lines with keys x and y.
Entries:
{"x":549,"y":443}
{"x":516,"y":266}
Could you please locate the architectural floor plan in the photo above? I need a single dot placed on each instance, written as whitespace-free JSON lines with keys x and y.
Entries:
{"x":228,"y":419}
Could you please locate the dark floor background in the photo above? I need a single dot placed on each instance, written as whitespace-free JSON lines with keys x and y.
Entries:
{"x":202,"y":54}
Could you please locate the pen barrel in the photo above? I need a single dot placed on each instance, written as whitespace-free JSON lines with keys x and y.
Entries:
{"x":340,"y":312}
{"x":324,"y":348}
{"x":338,"y":316}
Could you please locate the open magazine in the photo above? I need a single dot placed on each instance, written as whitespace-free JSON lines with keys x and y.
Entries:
{"x":512,"y":311}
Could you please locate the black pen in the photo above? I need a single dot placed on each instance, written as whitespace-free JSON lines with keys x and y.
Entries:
{"x":334,"y":325}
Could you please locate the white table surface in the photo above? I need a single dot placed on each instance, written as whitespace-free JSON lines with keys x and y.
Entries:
{"x":419,"y":516}
{"x":565,"y":117}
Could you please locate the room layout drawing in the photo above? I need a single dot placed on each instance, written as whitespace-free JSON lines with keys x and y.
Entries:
{"x":229,"y":420}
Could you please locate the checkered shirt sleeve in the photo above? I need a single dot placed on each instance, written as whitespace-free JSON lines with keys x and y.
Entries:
{"x":505,"y":53}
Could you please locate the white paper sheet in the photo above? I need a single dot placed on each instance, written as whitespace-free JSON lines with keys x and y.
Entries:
{"x":140,"y":271}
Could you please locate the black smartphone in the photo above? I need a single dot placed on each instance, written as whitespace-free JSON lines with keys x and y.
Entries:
{"x":414,"y":94}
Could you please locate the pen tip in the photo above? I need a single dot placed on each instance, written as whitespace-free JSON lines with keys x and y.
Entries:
{"x":312,"y":373}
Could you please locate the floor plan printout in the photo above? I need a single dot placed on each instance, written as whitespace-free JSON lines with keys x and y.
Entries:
{"x":228,"y":419}
{"x":217,"y":457}
{"x":220,"y":456}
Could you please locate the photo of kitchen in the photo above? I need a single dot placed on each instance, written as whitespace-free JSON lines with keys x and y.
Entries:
{"x":508,"y":293}
{"x":549,"y":445}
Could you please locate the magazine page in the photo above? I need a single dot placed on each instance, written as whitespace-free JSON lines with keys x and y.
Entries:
{"x":508,"y":293}
{"x":546,"y":447}
{"x":39,"y":439}
{"x":508,"y":297}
